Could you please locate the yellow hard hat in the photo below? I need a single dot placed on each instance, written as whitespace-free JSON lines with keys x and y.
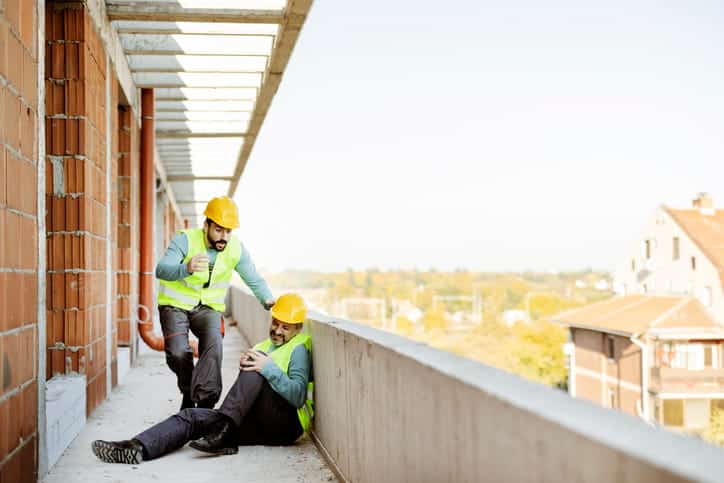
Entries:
{"x":290,"y":309}
{"x":222,"y":211}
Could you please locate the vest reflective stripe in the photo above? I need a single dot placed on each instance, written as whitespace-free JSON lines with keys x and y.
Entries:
{"x":169,"y":292}
{"x":223,"y":285}
{"x":189,"y":292}
{"x":281,"y":357}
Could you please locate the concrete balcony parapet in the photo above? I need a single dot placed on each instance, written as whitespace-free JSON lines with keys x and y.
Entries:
{"x":391,"y":409}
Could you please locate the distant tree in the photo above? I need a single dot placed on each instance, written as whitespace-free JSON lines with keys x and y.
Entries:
{"x":434,"y":319}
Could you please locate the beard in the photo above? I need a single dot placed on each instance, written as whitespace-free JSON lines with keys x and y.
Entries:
{"x":217,"y":245}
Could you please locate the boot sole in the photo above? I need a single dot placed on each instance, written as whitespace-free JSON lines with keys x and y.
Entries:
{"x":219,"y":451}
{"x":112,"y":454}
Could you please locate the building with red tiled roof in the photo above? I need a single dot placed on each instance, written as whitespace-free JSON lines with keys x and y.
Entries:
{"x":656,"y":350}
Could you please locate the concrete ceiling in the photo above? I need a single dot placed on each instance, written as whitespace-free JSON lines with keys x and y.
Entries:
{"x":215,"y":66}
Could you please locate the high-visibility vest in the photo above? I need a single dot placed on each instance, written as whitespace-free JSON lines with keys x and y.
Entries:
{"x":281,"y":357}
{"x":188,"y":292}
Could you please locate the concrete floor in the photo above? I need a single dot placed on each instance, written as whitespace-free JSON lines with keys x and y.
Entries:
{"x":149,"y":395}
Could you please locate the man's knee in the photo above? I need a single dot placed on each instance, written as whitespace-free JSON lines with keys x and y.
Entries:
{"x":176,"y":356}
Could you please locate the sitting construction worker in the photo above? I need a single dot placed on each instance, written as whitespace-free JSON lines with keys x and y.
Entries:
{"x":269,"y":403}
{"x":195,"y":274}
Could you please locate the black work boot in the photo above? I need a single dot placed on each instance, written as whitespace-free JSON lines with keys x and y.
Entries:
{"x":206,"y":403}
{"x":129,"y":451}
{"x":187,"y":403}
{"x":219,"y":442}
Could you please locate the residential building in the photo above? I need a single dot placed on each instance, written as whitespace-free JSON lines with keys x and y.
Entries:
{"x":656,"y":349}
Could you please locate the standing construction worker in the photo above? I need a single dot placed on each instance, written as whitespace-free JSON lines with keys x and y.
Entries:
{"x":195,"y":274}
{"x":270,"y":403}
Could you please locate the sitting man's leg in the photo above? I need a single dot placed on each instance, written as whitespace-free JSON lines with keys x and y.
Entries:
{"x":256,"y":415}
{"x":158,"y":440}
{"x":238,"y":402}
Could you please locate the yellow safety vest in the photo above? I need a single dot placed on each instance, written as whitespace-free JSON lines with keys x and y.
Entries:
{"x":187,"y":293}
{"x":281,"y":357}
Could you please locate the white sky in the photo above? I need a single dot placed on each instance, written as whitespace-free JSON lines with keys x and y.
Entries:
{"x":488,"y":135}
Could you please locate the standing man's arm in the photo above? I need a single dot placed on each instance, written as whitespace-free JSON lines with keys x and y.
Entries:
{"x":172,"y":267}
{"x":247,"y":271}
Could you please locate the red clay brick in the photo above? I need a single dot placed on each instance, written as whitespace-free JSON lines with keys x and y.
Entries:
{"x":3,"y":49}
{"x":72,"y":287}
{"x":12,"y":470}
{"x":12,"y":114}
{"x":30,"y":403}
{"x":12,"y":249}
{"x":15,"y":61}
{"x":30,"y":192}
{"x":27,"y":137}
{"x":4,"y":423}
{"x":12,"y":12}
{"x":28,"y":25}
{"x":30,"y":79}
{"x":58,"y":213}
{"x":13,"y":290}
{"x":11,"y":361}
{"x":55,"y":138}
{"x":3,"y":178}
{"x":3,"y":308}
{"x":14,"y":191}
{"x":16,"y":416}
{"x":58,"y":287}
{"x":54,"y":98}
{"x":28,"y":463}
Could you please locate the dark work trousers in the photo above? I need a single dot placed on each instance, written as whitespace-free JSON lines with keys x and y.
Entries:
{"x":260,"y":415}
{"x":203,"y":382}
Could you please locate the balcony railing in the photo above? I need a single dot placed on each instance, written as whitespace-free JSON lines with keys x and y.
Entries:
{"x":669,"y":379}
{"x":392,"y":409}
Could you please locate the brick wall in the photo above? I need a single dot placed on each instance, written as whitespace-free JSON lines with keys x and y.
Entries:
{"x":18,"y":240}
{"x":76,"y":198}
{"x":128,"y":218}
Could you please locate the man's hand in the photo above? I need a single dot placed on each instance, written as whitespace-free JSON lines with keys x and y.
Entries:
{"x":253,"y":360}
{"x":199,"y":263}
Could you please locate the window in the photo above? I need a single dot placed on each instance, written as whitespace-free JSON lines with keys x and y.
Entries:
{"x":610,"y":348}
{"x":693,"y":263}
{"x":673,"y":412}
{"x":676,"y":248}
{"x":647,"y":249}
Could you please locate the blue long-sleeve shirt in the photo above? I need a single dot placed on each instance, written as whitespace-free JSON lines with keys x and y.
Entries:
{"x":293,"y":385}
{"x":171,"y":267}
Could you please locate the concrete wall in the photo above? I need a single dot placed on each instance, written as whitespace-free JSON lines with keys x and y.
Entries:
{"x":391,"y":409}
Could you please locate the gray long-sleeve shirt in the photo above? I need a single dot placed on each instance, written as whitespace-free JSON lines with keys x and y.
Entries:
{"x":293,"y":385}
{"x":171,"y":267}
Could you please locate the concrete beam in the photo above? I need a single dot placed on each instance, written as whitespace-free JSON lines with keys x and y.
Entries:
{"x":200,"y":126}
{"x":202,"y":116}
{"x":294,"y":17}
{"x":170,"y":12}
{"x":196,"y":79}
{"x":206,"y":94}
{"x":178,"y":44}
{"x":202,"y":28}
{"x":198,"y":63}
{"x":199,"y":178}
{"x":109,"y":36}
{"x":207,"y":106}
{"x":179,"y":134}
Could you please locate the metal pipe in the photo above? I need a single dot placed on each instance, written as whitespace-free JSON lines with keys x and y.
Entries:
{"x":148,"y":193}
{"x":148,"y":184}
